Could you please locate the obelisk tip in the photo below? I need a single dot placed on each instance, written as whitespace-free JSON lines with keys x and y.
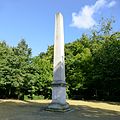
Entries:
{"x":58,"y":13}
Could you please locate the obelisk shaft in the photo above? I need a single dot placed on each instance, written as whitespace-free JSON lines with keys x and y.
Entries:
{"x":59,"y":66}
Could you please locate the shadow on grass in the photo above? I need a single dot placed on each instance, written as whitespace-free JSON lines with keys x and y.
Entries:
{"x":90,"y":112}
{"x":35,"y":111}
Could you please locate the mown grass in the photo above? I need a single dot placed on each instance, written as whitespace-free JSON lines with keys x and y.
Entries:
{"x":81,"y":110}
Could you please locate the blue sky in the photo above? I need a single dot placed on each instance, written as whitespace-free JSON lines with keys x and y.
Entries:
{"x":33,"y":20}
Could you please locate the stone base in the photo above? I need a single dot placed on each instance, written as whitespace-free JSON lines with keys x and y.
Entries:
{"x":57,"y":107}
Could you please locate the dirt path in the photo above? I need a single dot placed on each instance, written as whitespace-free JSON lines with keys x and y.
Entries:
{"x":82,"y":110}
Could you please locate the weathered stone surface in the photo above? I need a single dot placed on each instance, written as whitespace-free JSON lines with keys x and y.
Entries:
{"x":57,"y":107}
{"x":59,"y":95}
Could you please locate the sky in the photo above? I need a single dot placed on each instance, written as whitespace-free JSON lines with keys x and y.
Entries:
{"x":34,"y":20}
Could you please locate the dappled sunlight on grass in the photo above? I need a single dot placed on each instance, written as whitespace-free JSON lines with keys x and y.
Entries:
{"x":34,"y":110}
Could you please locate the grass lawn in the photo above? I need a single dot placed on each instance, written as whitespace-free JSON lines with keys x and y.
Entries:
{"x":82,"y":110}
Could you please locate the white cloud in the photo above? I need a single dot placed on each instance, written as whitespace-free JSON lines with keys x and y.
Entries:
{"x":84,"y":18}
{"x":99,"y":4}
{"x":111,"y":4}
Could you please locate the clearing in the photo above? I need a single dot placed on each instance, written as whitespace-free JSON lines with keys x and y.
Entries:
{"x":81,"y":110}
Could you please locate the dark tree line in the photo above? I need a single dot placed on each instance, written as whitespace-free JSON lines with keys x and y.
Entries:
{"x":92,"y":68}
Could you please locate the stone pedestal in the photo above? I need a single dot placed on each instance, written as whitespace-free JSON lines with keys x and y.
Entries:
{"x":58,"y":97}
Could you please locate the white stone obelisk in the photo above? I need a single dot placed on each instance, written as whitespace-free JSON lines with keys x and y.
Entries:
{"x":59,"y":84}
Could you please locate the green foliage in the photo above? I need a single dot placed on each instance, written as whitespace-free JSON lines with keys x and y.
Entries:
{"x":44,"y":69}
{"x":40,"y":97}
{"x":13,"y":61}
{"x":92,"y":67}
{"x":107,"y":59}
{"x":77,"y":65}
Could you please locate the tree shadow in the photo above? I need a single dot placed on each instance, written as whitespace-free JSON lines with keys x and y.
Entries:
{"x":35,"y":111}
{"x":95,"y":113}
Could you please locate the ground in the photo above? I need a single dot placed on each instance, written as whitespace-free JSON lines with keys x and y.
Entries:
{"x":81,"y":110}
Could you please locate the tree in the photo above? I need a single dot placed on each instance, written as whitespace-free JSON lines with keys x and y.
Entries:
{"x":106,"y":68}
{"x":45,"y":77}
{"x":14,"y":60}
